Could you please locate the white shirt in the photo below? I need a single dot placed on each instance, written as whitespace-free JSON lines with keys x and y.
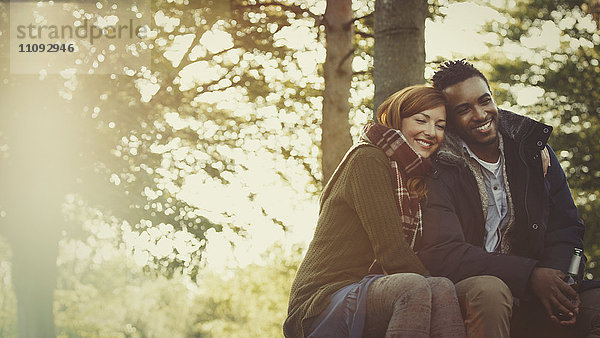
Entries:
{"x":497,"y":200}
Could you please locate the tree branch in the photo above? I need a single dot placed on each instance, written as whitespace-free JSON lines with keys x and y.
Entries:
{"x":349,"y":54}
{"x":207,"y":58}
{"x":213,"y":83}
{"x":223,"y":51}
{"x":288,"y":154}
{"x":189,"y":50}
{"x":292,"y":8}
{"x":361,"y":73}
{"x":168,"y":79}
{"x":363,"y":17}
{"x":364,"y":34}
{"x":347,"y":24}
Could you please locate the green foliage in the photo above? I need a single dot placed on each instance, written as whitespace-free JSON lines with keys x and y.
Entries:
{"x":252,"y":302}
{"x":114,"y":297}
{"x":435,"y":7}
{"x":130,"y":152}
{"x":128,"y":160}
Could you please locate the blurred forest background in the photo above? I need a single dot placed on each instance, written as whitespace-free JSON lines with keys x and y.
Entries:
{"x":177,"y":199}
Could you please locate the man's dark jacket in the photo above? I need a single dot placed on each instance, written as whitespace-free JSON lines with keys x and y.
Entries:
{"x":546,"y":227}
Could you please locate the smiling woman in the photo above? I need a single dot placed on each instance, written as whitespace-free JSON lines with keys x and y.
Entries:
{"x":370,"y":211}
{"x":419,"y":113}
{"x":425,"y":130}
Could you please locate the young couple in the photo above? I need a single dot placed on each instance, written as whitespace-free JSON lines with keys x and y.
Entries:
{"x":491,"y":215}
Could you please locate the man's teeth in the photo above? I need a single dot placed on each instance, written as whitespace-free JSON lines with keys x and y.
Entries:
{"x":485,"y":126}
{"x":423,"y":143}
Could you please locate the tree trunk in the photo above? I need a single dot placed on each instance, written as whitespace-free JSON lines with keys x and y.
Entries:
{"x":337,"y":71}
{"x":399,"y":46}
{"x":33,"y":179}
{"x":34,"y":281}
{"x":32,"y":227}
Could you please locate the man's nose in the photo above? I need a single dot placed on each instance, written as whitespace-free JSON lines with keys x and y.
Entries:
{"x":480,"y":113}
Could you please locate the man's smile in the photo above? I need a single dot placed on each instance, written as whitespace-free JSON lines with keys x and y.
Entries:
{"x":484,"y":128}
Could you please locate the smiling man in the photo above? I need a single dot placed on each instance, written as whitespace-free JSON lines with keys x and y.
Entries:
{"x":499,"y":219}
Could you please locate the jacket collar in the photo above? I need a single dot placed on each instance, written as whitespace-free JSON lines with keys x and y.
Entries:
{"x":512,"y":126}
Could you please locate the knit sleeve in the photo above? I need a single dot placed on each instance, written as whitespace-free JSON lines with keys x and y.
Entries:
{"x":370,"y":194}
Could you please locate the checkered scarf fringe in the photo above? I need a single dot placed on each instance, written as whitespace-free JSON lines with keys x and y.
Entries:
{"x":404,"y":163}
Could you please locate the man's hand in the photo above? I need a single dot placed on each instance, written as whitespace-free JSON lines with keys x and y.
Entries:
{"x":573,"y":319}
{"x":555,"y":294}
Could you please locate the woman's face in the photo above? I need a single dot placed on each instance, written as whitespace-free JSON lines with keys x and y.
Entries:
{"x":424,"y":131}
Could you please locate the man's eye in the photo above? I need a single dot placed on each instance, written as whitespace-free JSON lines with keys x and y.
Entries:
{"x":441,"y":127}
{"x":420,"y":120}
{"x":486,"y":100}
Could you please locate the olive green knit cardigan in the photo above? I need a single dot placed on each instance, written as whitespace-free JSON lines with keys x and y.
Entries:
{"x":358,"y":222}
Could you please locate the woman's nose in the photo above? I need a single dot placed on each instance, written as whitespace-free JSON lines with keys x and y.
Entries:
{"x":429,"y":129}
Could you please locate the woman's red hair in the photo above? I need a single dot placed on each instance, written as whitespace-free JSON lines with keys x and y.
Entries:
{"x":407,"y":102}
{"x":402,"y":104}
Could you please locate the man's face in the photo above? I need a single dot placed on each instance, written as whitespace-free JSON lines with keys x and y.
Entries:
{"x":472,"y":111}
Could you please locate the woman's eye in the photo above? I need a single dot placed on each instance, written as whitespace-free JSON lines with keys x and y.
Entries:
{"x":441,"y":127}
{"x":420,"y":120}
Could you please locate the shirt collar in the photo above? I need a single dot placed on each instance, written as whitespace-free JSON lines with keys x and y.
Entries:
{"x":470,"y":153}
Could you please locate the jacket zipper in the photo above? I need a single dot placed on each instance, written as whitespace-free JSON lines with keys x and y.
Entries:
{"x":524,"y":161}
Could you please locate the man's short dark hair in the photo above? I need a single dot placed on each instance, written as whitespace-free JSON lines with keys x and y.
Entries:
{"x":453,"y":72}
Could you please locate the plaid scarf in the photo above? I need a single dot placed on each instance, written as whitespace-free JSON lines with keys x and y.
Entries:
{"x":404,"y":163}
